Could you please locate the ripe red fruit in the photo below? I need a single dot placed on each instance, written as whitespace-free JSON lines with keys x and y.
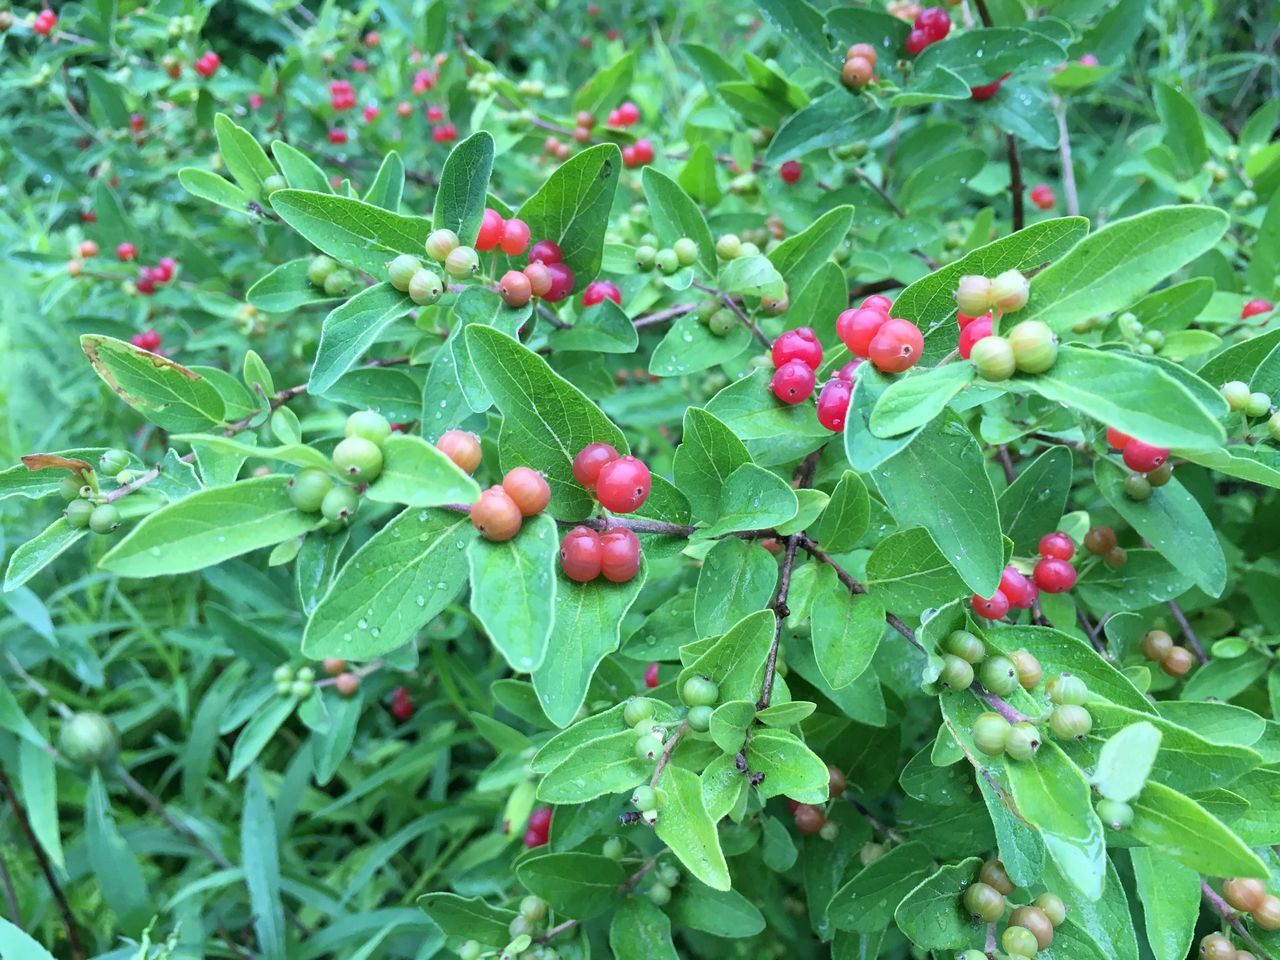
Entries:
{"x":1018,"y":590}
{"x":401,"y":704}
{"x":490,"y":230}
{"x":435,"y":114}
{"x":146,"y":282}
{"x":857,"y":328}
{"x":1057,"y":544}
{"x":622,"y":485}
{"x":545,"y":251}
{"x":1255,"y":307}
{"x":973,"y":331}
{"x":877,"y":302}
{"x":496,"y":515}
{"x":444,"y":133}
{"x":833,"y":404}
{"x":1042,"y":196}
{"x":987,"y":90}
{"x":793,"y":382}
{"x":590,"y":460}
{"x":137,"y":122}
{"x":515,"y":237}
{"x":897,"y":346}
{"x":644,"y":150}
{"x":598,"y":291}
{"x":963,"y":320}
{"x":580,"y":555}
{"x":917,"y":40}
{"x":562,"y":281}
{"x":1144,"y":457}
{"x":126,"y":251}
{"x":163,"y":271}
{"x":208,"y":64}
{"x":44,"y":22}
{"x":1054,"y":575}
{"x":629,"y":159}
{"x":462,"y":448}
{"x":359,"y":65}
{"x":540,"y":278}
{"x":539,"y":827}
{"x":651,"y":675}
{"x":147,"y":340}
{"x":371,"y":113}
{"x":849,"y":372}
{"x":935,"y":22}
{"x":515,"y":289}
{"x":619,"y":555}
{"x":1117,"y":440}
{"x":628,"y":113}
{"x":799,"y":344}
{"x":991,"y":608}
{"x":790,"y":171}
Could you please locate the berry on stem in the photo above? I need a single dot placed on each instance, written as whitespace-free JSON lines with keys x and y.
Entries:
{"x":462,"y":447}
{"x":515,"y":289}
{"x":496,"y":515}
{"x":857,"y":328}
{"x":1042,"y":196}
{"x":1019,"y":591}
{"x":651,"y":675}
{"x":1057,"y":545}
{"x":991,"y":733}
{"x":984,"y":902}
{"x":590,"y":460}
{"x":1254,"y":307}
{"x":581,"y":555}
{"x":358,"y":458}
{"x":1144,"y":457}
{"x":529,"y":489}
{"x":799,"y":344}
{"x":790,"y":171}
{"x":896,"y":346}
{"x":491,"y":224}
{"x":619,"y":555}
{"x":793,"y":382}
{"x":833,"y":404}
{"x":1054,"y":576}
{"x":990,"y":608}
{"x":972,"y":334}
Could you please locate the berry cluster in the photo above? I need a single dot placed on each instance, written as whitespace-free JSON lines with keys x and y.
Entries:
{"x":1053,"y":573}
{"x":811,"y":819}
{"x":1042,"y":196}
{"x":931,"y":25}
{"x":994,"y":735}
{"x":999,"y":674}
{"x":357,"y":457}
{"x":682,"y":253}
{"x":512,"y":236}
{"x":1008,"y":292}
{"x":501,"y":510}
{"x":1148,"y":462}
{"x":586,"y":555}
{"x":291,"y":684}
{"x":1249,"y":895}
{"x":625,"y":115}
{"x":1159,"y":647}
{"x":344,"y":681}
{"x":208,"y":64}
{"x":638,"y":154}
{"x":529,"y":921}
{"x":342,"y":96}
{"x":547,"y":276}
{"x":1030,"y":928}
{"x":446,"y":132}
{"x":859,"y":66}
{"x":1253,"y":404}
{"x":891,"y":344}
{"x":1254,"y":307}
{"x":44,"y":22}
{"x":796,"y":356}
{"x":150,"y":277}
{"x":86,"y":508}
{"x":1101,"y":542}
{"x":1218,"y":946}
{"x":730,"y":246}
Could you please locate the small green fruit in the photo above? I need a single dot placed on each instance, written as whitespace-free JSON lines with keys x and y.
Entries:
{"x":660,"y":894}
{"x":957,"y":673}
{"x":1010,"y":291}
{"x":984,"y":902}
{"x":1137,"y":487}
{"x":1023,"y":742}
{"x":69,"y":486}
{"x":648,"y":747}
{"x":775,"y":306}
{"x":104,"y":518}
{"x":749,"y":249}
{"x":829,"y":831}
{"x":645,"y":256}
{"x":319,"y":270}
{"x":1070,"y":722}
{"x":1259,"y":405}
{"x":470,"y":950}
{"x":338,"y":283}
{"x":966,"y":646}
{"x":441,"y":243}
{"x":462,"y":262}
{"x":113,"y":461}
{"x":340,"y":505}
{"x":973,"y":295}
{"x":306,"y":674}
{"x":991,"y":733}
{"x":1053,"y":908}
{"x":519,"y":927}
{"x":1068,"y":689}
{"x":401,"y":270}
{"x":1116,"y":814}
{"x":533,"y":908}
{"x":644,"y":798}
{"x":1153,"y":339}
{"x":425,"y":288}
{"x":999,"y":675}
{"x":994,"y":358}
{"x":272,"y":183}
{"x":728,"y":247}
{"x":721,"y":322}
{"x":1035,"y":346}
{"x":699,"y":691}
{"x":300,"y":689}
{"x":667,"y":261}
{"x":613,"y":849}
{"x":282,"y":674}
{"x":358,"y":458}
{"x":1019,"y":941}
{"x":88,"y":738}
{"x":369,"y":424}
{"x":1236,"y":393}
{"x":699,"y":719}
{"x":307,"y":489}
{"x":686,"y":251}
{"x":78,"y":513}
{"x":1273,"y":426}
{"x":637,"y":709}
{"x":1161,"y":474}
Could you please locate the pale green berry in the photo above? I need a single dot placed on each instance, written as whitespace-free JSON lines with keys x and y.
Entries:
{"x":462,"y":262}
{"x":340,"y":505}
{"x":78,"y":513}
{"x":1023,"y":741}
{"x":425,"y":288}
{"x":338,"y":283}
{"x":1115,"y":814}
{"x":104,"y":518}
{"x":686,"y":251}
{"x":991,"y":733}
{"x":667,"y":261}
{"x":1035,"y":347}
{"x":729,"y":247}
{"x":1236,"y":393}
{"x":369,"y":424}
{"x":319,"y":270}
{"x":645,"y":257}
{"x":358,"y":458}
{"x":993,"y":358}
{"x":440,"y":243}
{"x":973,"y":295}
{"x":308,"y":488}
{"x":401,"y":270}
{"x":1010,"y":291}
{"x":699,"y":719}
{"x":1259,"y":405}
{"x":637,"y":709}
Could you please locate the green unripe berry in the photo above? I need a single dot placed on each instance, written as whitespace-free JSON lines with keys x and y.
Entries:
{"x":273,"y":183}
{"x":728,"y":247}
{"x":1023,"y":742}
{"x":645,"y":798}
{"x":667,"y":261}
{"x":1067,"y":688}
{"x":965,"y":645}
{"x":1130,"y":326}
{"x":282,"y":674}
{"x":1019,"y":941}
{"x":984,"y":902}
{"x":300,"y":689}
{"x":1273,"y":426}
{"x":462,"y":262}
{"x":1070,"y":722}
{"x":533,"y":908}
{"x":645,"y":256}
{"x":441,"y":243}
{"x":1259,"y":405}
{"x":775,"y":306}
{"x":1010,"y":291}
{"x":991,"y":733}
{"x":613,"y":849}
{"x":660,"y":894}
{"x":829,"y":831}
{"x":1053,"y":908}
{"x":69,"y":486}
{"x":871,"y":852}
{"x":721,"y":322}
{"x":668,"y":874}
{"x":104,"y":518}
{"x":307,"y":489}
{"x":401,"y":270}
{"x":358,"y":458}
{"x":999,"y":675}
{"x":113,"y":461}
{"x":648,"y":747}
{"x":1137,"y":487}
{"x":993,"y":358}
{"x":686,"y":251}
{"x":88,"y":738}
{"x":1236,"y":393}
{"x":78,"y":513}
{"x":1161,"y":474}
{"x":749,"y":249}
{"x":1115,"y":814}
{"x":340,"y":505}
{"x":338,"y":283}
{"x":637,"y":709}
{"x":973,"y":295}
{"x":707,"y":309}
{"x":425,"y":288}
{"x":369,"y":424}
{"x":957,"y":673}
{"x":125,"y":477}
{"x":284,"y":688}
{"x":1035,"y":346}
{"x":470,"y":950}
{"x":319,"y":270}
{"x":519,"y":927}
{"x":972,"y":955}
{"x":306,"y":674}
{"x":699,"y":719}
{"x":699,"y":691}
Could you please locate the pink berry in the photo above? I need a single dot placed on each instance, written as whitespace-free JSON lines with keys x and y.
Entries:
{"x":857,"y":328}
{"x":163,"y":271}
{"x":562,"y":281}
{"x":644,"y":151}
{"x":146,"y":282}
{"x":580,"y":557}
{"x":1088,"y":60}
{"x":651,"y":675}
{"x":935,"y":22}
{"x":1144,"y":457}
{"x":435,"y":114}
{"x":515,"y":237}
{"x":546,"y":251}
{"x":877,"y":302}
{"x":628,"y":114}
{"x":987,"y":90}
{"x":337,"y":136}
{"x":917,"y":40}
{"x":1054,"y":575}
{"x":598,"y":291}
{"x":126,"y":251}
{"x":589,"y":461}
{"x":793,"y":382}
{"x":371,"y":113}
{"x":622,"y":485}
{"x":1018,"y":590}
{"x":833,"y":404}
{"x":963,"y":320}
{"x":491,"y":224}
{"x":991,"y":608}
{"x":619,"y":556}
{"x":972,"y":333}
{"x":896,"y":346}
{"x":1255,"y":307}
{"x":849,"y":372}
{"x":790,"y":171}
{"x":1042,"y":196}
{"x":1057,"y":544}
{"x":799,"y":344}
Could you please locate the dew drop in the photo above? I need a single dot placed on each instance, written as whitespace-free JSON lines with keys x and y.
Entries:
{"x":362,"y":623}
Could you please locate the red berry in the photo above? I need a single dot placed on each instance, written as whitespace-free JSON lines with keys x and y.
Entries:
{"x":136,"y":122}
{"x":833,"y":404}
{"x":1117,"y":440}
{"x":897,"y":346}
{"x":991,"y":608}
{"x":975,"y":330}
{"x":515,"y":288}
{"x":540,"y":278}
{"x":987,"y":90}
{"x":598,"y":291}
{"x":790,"y":171}
{"x":1057,"y":544}
{"x":359,"y":65}
{"x":490,"y":230}
{"x":619,"y":556}
{"x":545,"y":251}
{"x":1255,"y":307}
{"x":435,"y":114}
{"x":1088,"y":60}
{"x":163,"y":271}
{"x":651,"y":675}
{"x":622,"y":485}
{"x":562,"y":281}
{"x":580,"y":555}
{"x":917,"y":40}
{"x":337,"y":135}
{"x":849,"y":372}
{"x":628,"y":114}
{"x":877,"y":302}
{"x":799,"y":344}
{"x":589,"y":461}
{"x":515,"y":237}
{"x":496,"y":516}
{"x":1018,"y":590}
{"x":534,"y":839}
{"x":857,"y":328}
{"x":146,"y":282}
{"x":629,"y":158}
{"x":1144,"y":457}
{"x":963,"y":320}
{"x":793,"y":382}
{"x":540,"y":820}
{"x":935,"y":22}
{"x":126,"y":251}
{"x":147,"y":340}
{"x":643,"y":151}
{"x":1042,"y":196}
{"x":44,"y":22}
{"x":371,"y":113}
{"x":208,"y":64}
{"x":401,"y":704}
{"x":1054,"y":575}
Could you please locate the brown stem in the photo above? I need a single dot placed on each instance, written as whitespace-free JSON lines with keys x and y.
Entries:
{"x":1225,"y":911}
{"x":1015,"y":184}
{"x":728,"y":301}
{"x":1192,"y":640}
{"x":883,"y":829}
{"x":668,"y":749}
{"x":780,"y":612}
{"x":662,"y":316}
{"x":1007,"y":463}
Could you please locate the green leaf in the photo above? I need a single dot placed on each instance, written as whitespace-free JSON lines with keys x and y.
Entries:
{"x":753,"y":498}
{"x":468,"y":918}
{"x":1036,"y":500}
{"x":735,"y":661}
{"x":513,"y":591}
{"x":1125,"y":761}
{"x":243,"y":155}
{"x":790,"y":768}
{"x":353,"y":328}
{"x":674,"y":215}
{"x":908,"y":574}
{"x":208,"y":527}
{"x":940,"y":482}
{"x":980,"y":56}
{"x":119,"y":876}
{"x":846,"y":630}
{"x":286,"y":288}
{"x":802,"y":25}
{"x":865,"y":450}
{"x":40,"y":551}
{"x":607,"y":87}
{"x":15,"y":943}
{"x":388,"y":184}
{"x":1021,"y":850}
{"x":37,"y":779}
{"x":689,"y":346}
{"x":640,"y":931}
{"x":1112,"y":268}
{"x":357,"y":233}
{"x":708,"y":454}
{"x":934,"y":86}
{"x":572,"y":207}
{"x":165,"y":392}
{"x":834,"y":118}
{"x":753,"y":276}
{"x":416,"y":474}
{"x":545,"y":419}
{"x":846,"y":516}
{"x":1176,"y":825}
{"x":395,"y":583}
{"x":698,"y":176}
{"x":1170,"y":898}
{"x":737,"y":578}
{"x":799,"y":256}
{"x":299,"y":170}
{"x":213,"y":187}
{"x":931,"y":915}
{"x":1060,"y":652}
{"x":259,"y":848}
{"x":299,"y":454}
{"x":464,"y":187}
{"x":602,"y":766}
{"x":1173,"y":522}
{"x":866,"y":903}
{"x":1183,"y":129}
{"x":257,"y":733}
{"x":603,"y":328}
{"x":941,"y":179}
{"x":1146,"y":578}
{"x":773,"y":432}
{"x":685,"y":826}
{"x":577,"y":885}
{"x":911,"y":401}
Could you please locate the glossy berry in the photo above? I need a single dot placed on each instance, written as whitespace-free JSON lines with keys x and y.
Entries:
{"x":699,"y":691}
{"x":1019,"y":591}
{"x":589,"y":462}
{"x":88,"y":739}
{"x":1053,"y":908}
{"x":369,"y":424}
{"x":496,"y":515}
{"x":998,"y":675}
{"x":1019,"y":942}
{"x":545,"y":251}
{"x":540,"y":278}
{"x":104,"y":518}
{"x":972,"y":334}
{"x":984,"y":902}
{"x":647,"y":747}
{"x":917,"y":40}
{"x":1267,"y":915}
{"x":619,"y":555}
{"x":987,"y":90}
{"x":790,"y":171}
{"x":809,"y":819}
{"x":113,"y":461}
{"x":1137,"y":487}
{"x":1054,"y":576}
{"x":1028,"y":667}
{"x":338,"y":283}
{"x":1144,"y":457}
{"x":515,"y":289}
{"x":1117,"y":440}
{"x":965,"y":645}
{"x":1023,"y":742}
{"x":580,"y":555}
{"x":793,"y":382}
{"x":1156,"y":645}
{"x":833,"y":404}
{"x":515,"y":237}
{"x":126,"y":251}
{"x":462,"y":262}
{"x":994,"y":875}
{"x":1217,"y":947}
{"x":358,"y":458}
{"x":990,"y":608}
{"x":440,"y":243}
{"x":935,"y":22}
{"x":462,"y":447}
{"x":799,"y":344}
{"x":529,"y":489}
{"x":857,"y":72}
{"x":1100,"y":541}
{"x":1070,"y":722}
{"x":308,"y":488}
{"x":973,"y":295}
{"x":1255,"y":307}
{"x":1042,"y":196}
{"x":562,"y":281}
{"x":1177,"y":662}
{"x":637,"y":708}
{"x":1010,"y":291}
{"x":146,"y":340}
{"x":1244,"y":893}
{"x":1115,"y":814}
{"x":44,"y":22}
{"x":490,"y":234}
{"x":319,"y":269}
{"x":1035,"y":346}
{"x":339,"y":504}
{"x":991,"y":733}
{"x":849,"y":372}
{"x":857,"y":328}
{"x":993,"y":358}
{"x":628,"y":114}
{"x":651,"y":675}
{"x":622,"y":485}
{"x":686,"y":251}
{"x":877,"y":301}
{"x":600,"y":290}
{"x":957,"y":674}
{"x":1057,"y":544}
{"x":896,"y":346}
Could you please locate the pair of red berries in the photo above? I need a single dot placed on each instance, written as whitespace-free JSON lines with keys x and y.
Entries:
{"x":637,"y":154}
{"x":790,"y":171}
{"x":972,"y":329}
{"x":502,"y":509}
{"x":987,"y":90}
{"x":423,"y":81}
{"x":546,"y":276}
{"x":1053,"y":573}
{"x":150,"y":277}
{"x":1255,"y":307}
{"x":586,"y":555}
{"x":621,"y":484}
{"x":401,"y":704}
{"x":797,"y":354}
{"x":598,"y":291}
{"x":932,"y":24}
{"x":148,"y":340}
{"x":538,"y":830}
{"x":626,"y":115}
{"x":342,"y":96}
{"x":1015,"y":592}
{"x":890,"y":343}
{"x":444,"y":133}
{"x":1042,"y":196}
{"x":1138,"y":456}
{"x":208,"y":64}
{"x":44,"y":22}
{"x":512,"y":236}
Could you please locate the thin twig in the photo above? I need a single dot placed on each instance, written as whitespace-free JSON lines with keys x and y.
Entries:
{"x":1005,"y":461}
{"x":999,"y":705}
{"x":662,"y":316}
{"x":1192,"y":640}
{"x":1224,"y":910}
{"x":853,"y":586}
{"x":1069,"y":192}
{"x":668,"y":749}
{"x":780,"y":612}
{"x":737,"y":312}
{"x":881,"y":828}
{"x":1015,"y":184}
